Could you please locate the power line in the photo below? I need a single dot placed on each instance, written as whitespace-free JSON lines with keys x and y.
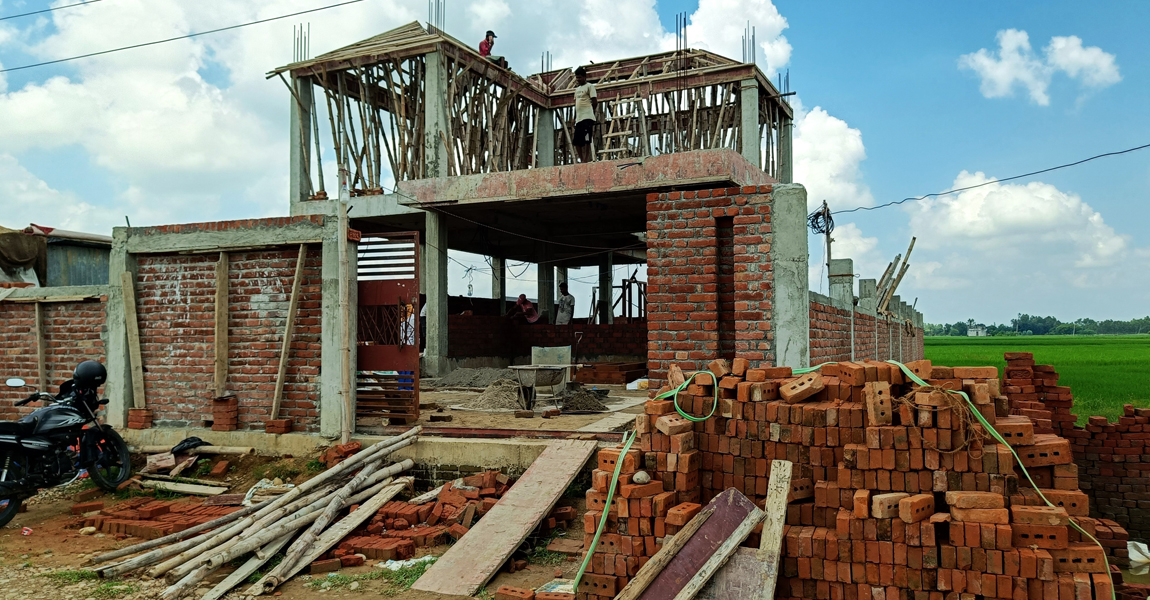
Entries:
{"x":971,"y":187}
{"x":182,"y":37}
{"x":36,"y":12}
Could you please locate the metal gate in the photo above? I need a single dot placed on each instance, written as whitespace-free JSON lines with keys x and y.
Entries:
{"x":387,"y":364}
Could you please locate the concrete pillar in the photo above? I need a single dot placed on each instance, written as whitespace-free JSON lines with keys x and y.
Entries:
{"x":842,"y":282}
{"x":498,"y":279}
{"x":749,"y":124}
{"x":331,"y":406}
{"x":606,"y":291}
{"x":561,"y":276}
{"x":435,"y":119}
{"x":786,"y":165}
{"x":545,"y":138}
{"x":118,"y":389}
{"x":545,"y":289}
{"x":300,"y":180}
{"x":788,"y":255}
{"x":435,"y":355}
{"x":868,"y":296}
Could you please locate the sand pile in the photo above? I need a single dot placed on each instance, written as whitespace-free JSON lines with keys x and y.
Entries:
{"x":581,"y":400}
{"x":502,"y":394}
{"x":474,"y":378}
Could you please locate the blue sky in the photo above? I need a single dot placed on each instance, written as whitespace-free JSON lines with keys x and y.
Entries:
{"x":192,"y":131}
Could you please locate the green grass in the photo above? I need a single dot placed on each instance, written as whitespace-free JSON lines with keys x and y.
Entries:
{"x":314,"y":466}
{"x":400,"y":579}
{"x":70,"y":577}
{"x":114,"y":589}
{"x":282,"y":471}
{"x":1103,"y":372}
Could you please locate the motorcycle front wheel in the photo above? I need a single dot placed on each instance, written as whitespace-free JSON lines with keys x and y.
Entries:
{"x":8,"y":509}
{"x":113,"y":463}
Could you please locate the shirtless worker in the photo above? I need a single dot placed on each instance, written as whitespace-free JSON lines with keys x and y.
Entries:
{"x":585,"y":105}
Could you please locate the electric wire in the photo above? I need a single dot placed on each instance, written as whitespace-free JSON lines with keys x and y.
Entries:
{"x":36,"y":12}
{"x":971,"y":187}
{"x":177,"y":38}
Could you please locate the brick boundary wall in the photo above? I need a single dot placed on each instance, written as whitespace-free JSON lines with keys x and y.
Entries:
{"x":684,"y":284}
{"x":73,"y":332}
{"x":175,"y":307}
{"x":865,"y":343}
{"x":477,"y":336}
{"x":830,"y":333}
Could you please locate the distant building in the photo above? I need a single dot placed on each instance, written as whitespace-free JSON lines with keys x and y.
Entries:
{"x":976,"y":331}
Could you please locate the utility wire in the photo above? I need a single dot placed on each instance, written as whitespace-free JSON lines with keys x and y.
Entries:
{"x":182,"y":37}
{"x":971,"y":187}
{"x":36,"y":12}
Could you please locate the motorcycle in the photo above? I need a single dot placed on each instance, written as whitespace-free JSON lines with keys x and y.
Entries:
{"x":56,"y":444}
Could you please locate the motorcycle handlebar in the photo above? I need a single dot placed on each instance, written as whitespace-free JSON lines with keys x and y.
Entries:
{"x":34,"y":397}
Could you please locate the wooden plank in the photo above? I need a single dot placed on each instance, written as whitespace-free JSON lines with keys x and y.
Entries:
{"x":732,"y":511}
{"x":184,"y":488}
{"x":658,"y":562}
{"x":720,"y":556}
{"x":737,"y":580}
{"x":41,"y":370}
{"x":771,"y":542}
{"x":477,"y":556}
{"x":221,"y":330}
{"x":135,"y":360}
{"x":225,"y":500}
{"x":289,"y":329}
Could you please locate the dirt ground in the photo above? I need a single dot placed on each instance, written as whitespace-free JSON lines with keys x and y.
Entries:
{"x":440,"y":403}
{"x":27,"y":563}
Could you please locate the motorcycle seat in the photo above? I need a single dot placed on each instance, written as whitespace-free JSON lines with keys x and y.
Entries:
{"x":22,"y":427}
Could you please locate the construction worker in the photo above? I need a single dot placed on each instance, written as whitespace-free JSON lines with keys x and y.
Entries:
{"x":566,"y":307}
{"x":585,"y":106}
{"x":523,"y":311}
{"x":485,"y":49}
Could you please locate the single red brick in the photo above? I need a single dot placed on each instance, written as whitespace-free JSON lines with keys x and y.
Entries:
{"x":324,"y":566}
{"x":83,"y":507}
{"x":506,"y":592}
{"x":351,"y":560}
{"x":683,"y":513}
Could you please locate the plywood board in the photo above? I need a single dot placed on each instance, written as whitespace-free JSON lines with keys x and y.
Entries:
{"x":477,"y":556}
{"x":739,"y":579}
{"x":731,"y":509}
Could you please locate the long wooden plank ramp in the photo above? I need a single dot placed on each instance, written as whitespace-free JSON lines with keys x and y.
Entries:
{"x":476,"y":557}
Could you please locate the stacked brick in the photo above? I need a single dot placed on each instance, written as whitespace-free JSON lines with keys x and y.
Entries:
{"x":139,"y":418}
{"x":1111,"y":459}
{"x":225,"y":413}
{"x":896,"y":493}
{"x":147,"y":518}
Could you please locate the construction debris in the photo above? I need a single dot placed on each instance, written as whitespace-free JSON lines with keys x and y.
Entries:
{"x":311,"y":510}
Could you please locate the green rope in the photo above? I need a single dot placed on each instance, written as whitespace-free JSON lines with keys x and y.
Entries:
{"x":627,"y":441}
{"x":1018,"y":460}
{"x":674,"y":395}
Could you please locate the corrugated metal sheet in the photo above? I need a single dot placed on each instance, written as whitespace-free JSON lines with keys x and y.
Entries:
{"x":71,"y":263}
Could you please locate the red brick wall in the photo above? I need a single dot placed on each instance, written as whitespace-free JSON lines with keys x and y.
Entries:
{"x":474,"y":335}
{"x":864,"y":337}
{"x":830,"y":339}
{"x":72,"y":333}
{"x":176,"y":308}
{"x":684,"y":283}
{"x":884,"y":339}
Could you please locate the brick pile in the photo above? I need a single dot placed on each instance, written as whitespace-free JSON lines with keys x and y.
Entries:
{"x":1110,"y":459}
{"x":139,"y":418}
{"x":145,"y":517}
{"x":225,"y":413}
{"x":895,"y":493}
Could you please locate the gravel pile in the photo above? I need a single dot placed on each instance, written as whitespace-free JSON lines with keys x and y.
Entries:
{"x":502,"y":394}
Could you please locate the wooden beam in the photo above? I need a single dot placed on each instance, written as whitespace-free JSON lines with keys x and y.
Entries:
{"x":135,"y":360}
{"x":190,"y":489}
{"x":670,"y":548}
{"x":771,"y":542}
{"x":221,"y":329}
{"x":39,"y":299}
{"x":289,"y":329}
{"x":41,"y":370}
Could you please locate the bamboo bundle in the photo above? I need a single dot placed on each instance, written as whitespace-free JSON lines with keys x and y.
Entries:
{"x":311,"y":508}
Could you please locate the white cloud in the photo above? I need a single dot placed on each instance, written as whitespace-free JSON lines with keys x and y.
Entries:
{"x":848,"y":242}
{"x":1016,"y":64}
{"x":1026,"y":245}
{"x":827,"y":159}
{"x":719,"y":26}
{"x":28,"y":199}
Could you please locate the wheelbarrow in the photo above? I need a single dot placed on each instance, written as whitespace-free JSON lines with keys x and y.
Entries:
{"x":533,"y":376}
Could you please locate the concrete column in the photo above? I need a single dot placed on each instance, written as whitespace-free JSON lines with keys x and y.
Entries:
{"x":749,"y":124}
{"x":560,"y":276}
{"x":331,"y":406}
{"x":498,"y":280}
{"x":435,"y":355}
{"x":791,"y":322}
{"x":118,"y":389}
{"x":842,"y":282}
{"x":606,"y":281}
{"x":786,"y":165}
{"x":300,"y":180}
{"x":545,"y":138}
{"x":545,"y":282}
{"x":435,"y":119}
{"x":868,"y":296}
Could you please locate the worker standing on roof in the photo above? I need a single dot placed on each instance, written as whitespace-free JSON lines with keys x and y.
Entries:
{"x":566,"y":308}
{"x":485,"y":49}
{"x":585,"y":105}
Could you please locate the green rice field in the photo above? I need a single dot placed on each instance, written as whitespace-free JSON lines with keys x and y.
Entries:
{"x":1104,"y":372}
